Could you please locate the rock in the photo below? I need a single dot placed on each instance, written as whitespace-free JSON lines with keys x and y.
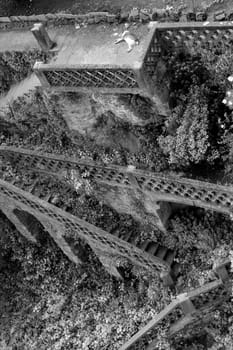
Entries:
{"x":49,"y":16}
{"x":159,"y":14}
{"x":220,"y":16}
{"x":230,"y":16}
{"x":144,"y":16}
{"x":111,"y":18}
{"x":174,"y":17}
{"x":5,"y":20}
{"x":16,"y":18}
{"x":41,"y":18}
{"x":124,"y":16}
{"x":55,"y":200}
{"x":191,"y":17}
{"x":201,"y":16}
{"x":183,"y":18}
{"x":91,"y":20}
{"x":134,"y":15}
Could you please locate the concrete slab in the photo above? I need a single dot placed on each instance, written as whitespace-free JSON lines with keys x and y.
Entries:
{"x":23,"y":40}
{"x":94,"y":46}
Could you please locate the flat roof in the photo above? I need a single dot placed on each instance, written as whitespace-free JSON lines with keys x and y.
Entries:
{"x":94,"y":46}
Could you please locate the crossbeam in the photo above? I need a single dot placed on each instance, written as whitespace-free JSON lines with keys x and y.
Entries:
{"x":165,"y":188}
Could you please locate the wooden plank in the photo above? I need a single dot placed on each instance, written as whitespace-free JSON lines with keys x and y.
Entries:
{"x":150,"y":325}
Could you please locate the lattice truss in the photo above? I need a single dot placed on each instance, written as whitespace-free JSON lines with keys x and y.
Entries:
{"x":95,"y":237}
{"x":152,"y":56}
{"x":186,"y":312}
{"x":98,"y":78}
{"x":213,"y":38}
{"x":171,"y":189}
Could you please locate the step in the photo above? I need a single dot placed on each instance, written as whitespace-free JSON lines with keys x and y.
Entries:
{"x":14,"y":182}
{"x":48,"y":197}
{"x":129,"y":237}
{"x":31,"y":189}
{"x":116,"y":232}
{"x":27,"y":187}
{"x":161,"y":252}
{"x":175,"y":267}
{"x":64,"y":207}
{"x":169,"y":257}
{"x":168,"y":280}
{"x":40,"y":194}
{"x":222,"y":272}
{"x":187,"y":307}
{"x":144,"y":245}
{"x":152,"y":248}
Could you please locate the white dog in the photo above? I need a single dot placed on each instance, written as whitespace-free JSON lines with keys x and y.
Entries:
{"x":130,"y":39}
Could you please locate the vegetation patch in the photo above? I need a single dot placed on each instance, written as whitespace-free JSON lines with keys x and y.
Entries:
{"x":17,"y":65}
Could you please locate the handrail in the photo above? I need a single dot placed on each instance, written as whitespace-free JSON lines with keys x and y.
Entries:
{"x":186,"y":318}
{"x":166,"y":188}
{"x":150,"y":325}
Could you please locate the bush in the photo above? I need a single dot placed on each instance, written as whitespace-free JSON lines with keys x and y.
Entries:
{"x":15,"y":66}
{"x":190,"y":141}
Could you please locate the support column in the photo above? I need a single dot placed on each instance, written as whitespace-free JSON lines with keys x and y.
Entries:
{"x":42,"y":37}
{"x":187,"y":307}
{"x":57,"y":232}
{"x":40,"y":74}
{"x":110,"y":266}
{"x":222,"y":272}
{"x":8,"y":211}
{"x":163,"y":213}
{"x":157,"y":92}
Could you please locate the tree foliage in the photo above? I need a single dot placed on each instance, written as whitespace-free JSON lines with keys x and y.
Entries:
{"x":189,"y":142}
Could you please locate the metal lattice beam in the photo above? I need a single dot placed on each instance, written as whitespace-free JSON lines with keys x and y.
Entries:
{"x":99,"y":240}
{"x":185,"y":312}
{"x":165,"y":188}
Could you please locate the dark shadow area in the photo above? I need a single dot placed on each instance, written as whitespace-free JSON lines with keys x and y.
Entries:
{"x":32,"y":225}
{"x":201,"y":341}
{"x":6,"y":227}
{"x":79,"y":247}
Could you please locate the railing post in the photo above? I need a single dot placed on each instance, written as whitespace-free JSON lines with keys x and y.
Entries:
{"x":222,"y":272}
{"x":40,"y":74}
{"x":187,"y":307}
{"x":42,"y":37}
{"x":109,"y":266}
{"x":150,"y":90}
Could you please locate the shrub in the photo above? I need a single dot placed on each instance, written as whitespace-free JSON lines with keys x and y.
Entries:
{"x":190,"y":141}
{"x":16,"y":65}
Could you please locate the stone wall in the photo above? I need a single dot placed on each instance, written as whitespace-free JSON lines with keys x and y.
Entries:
{"x":53,"y":20}
{"x":135,"y":15}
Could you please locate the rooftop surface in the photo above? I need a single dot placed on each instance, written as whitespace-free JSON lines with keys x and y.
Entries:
{"x":94,"y":45}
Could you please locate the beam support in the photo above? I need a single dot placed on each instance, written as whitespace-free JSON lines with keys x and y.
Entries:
{"x":42,"y":37}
